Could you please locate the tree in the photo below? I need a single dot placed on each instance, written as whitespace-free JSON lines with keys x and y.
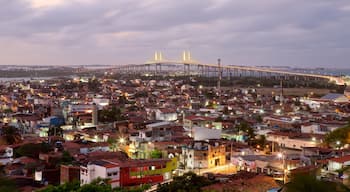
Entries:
{"x":309,"y":182}
{"x":66,"y":158}
{"x":338,"y":137}
{"x":110,"y":115}
{"x":246,"y":129}
{"x":98,"y":185}
{"x":7,"y":185}
{"x":11,"y":135}
{"x":156,"y":154}
{"x":188,"y":182}
{"x":33,"y":149}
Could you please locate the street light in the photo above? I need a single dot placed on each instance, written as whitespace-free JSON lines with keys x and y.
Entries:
{"x":283,"y":157}
{"x":121,"y":140}
{"x":199,"y":168}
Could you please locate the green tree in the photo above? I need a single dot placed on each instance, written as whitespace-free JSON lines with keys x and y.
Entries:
{"x":11,"y":135}
{"x":246,"y":129}
{"x":7,"y":185}
{"x":188,"y":182}
{"x":66,"y":158}
{"x":33,"y":149}
{"x":309,"y":183}
{"x":156,"y":154}
{"x":110,"y":115}
{"x":338,"y":137}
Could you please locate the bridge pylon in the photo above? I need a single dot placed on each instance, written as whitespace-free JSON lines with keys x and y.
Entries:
{"x":186,"y":57}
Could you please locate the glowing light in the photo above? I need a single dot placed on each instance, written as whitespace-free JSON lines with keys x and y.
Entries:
{"x":280,"y":155}
{"x":122,"y":140}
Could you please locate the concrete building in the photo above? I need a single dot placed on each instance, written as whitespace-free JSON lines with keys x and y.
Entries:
{"x":293,"y":140}
{"x":204,"y":154}
{"x":166,"y":115}
{"x":100,"y":169}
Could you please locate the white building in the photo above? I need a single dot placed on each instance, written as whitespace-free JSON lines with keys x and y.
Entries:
{"x":292,"y":141}
{"x":100,"y":169}
{"x":337,"y":163}
{"x":202,"y":133}
{"x":166,"y":115}
{"x":318,"y":128}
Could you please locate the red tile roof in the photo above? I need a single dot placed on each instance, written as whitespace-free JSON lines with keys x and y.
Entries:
{"x":342,"y":159}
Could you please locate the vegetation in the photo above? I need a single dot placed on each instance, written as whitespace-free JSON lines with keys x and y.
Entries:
{"x":110,"y":115}
{"x":188,"y":182}
{"x":66,"y":158}
{"x":32,"y":149}
{"x":244,"y":82}
{"x":156,"y":154}
{"x":94,"y":85}
{"x":10,"y":135}
{"x":338,"y":137}
{"x":246,"y":129}
{"x":99,"y":185}
{"x":7,"y":185}
{"x":308,"y":182}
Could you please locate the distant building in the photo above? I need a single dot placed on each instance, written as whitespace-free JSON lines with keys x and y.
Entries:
{"x":166,"y":115}
{"x":204,"y":154}
{"x":69,"y":173}
{"x":293,"y":140}
{"x":347,"y":92}
{"x":338,"y":163}
{"x":100,"y":169}
{"x":335,"y":97}
{"x":128,"y":173}
{"x":202,"y":133}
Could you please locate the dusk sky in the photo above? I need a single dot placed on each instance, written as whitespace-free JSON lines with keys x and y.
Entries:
{"x":301,"y":33}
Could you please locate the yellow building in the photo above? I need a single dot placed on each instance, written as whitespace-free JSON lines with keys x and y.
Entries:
{"x":204,"y":154}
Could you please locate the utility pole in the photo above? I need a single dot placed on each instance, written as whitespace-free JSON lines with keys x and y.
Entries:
{"x":220,"y":76}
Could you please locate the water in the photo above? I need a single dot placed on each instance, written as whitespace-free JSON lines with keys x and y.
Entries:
{"x":325,"y":71}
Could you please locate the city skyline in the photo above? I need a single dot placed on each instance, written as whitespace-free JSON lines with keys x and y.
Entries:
{"x":254,"y":32}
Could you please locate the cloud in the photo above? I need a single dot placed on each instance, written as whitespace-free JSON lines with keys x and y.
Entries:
{"x":250,"y":32}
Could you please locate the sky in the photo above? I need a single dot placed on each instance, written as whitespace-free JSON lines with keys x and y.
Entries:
{"x":300,"y":33}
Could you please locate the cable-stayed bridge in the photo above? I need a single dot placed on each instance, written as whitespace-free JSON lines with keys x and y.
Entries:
{"x":158,"y":65}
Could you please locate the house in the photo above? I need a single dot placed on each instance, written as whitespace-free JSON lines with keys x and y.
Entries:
{"x":128,"y":173}
{"x":335,"y":97}
{"x":204,"y":154}
{"x":69,"y":173}
{"x":197,"y":121}
{"x":293,"y":140}
{"x":166,"y":114}
{"x":100,"y":169}
{"x":347,"y":92}
{"x":337,"y":163}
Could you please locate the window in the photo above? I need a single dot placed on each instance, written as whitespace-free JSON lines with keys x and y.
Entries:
{"x":115,"y":173}
{"x":109,"y":174}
